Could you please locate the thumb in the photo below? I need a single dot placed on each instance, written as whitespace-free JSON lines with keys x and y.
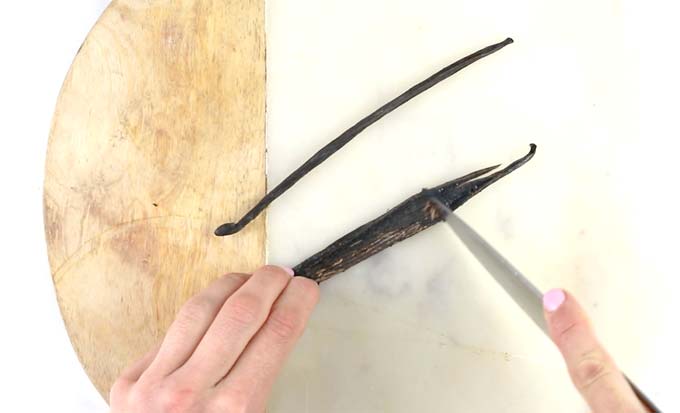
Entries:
{"x":591,"y":368}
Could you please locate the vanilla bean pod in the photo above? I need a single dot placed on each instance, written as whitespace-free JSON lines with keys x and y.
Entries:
{"x":337,"y":143}
{"x":413,"y":215}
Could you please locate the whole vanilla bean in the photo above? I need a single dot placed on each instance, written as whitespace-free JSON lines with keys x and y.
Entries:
{"x":413,"y":215}
{"x":337,"y":143}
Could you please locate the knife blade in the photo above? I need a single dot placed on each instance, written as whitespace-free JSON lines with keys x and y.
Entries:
{"x":518,"y":287}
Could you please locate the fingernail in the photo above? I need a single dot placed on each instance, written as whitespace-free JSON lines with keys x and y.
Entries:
{"x":288,"y":270}
{"x":553,"y":299}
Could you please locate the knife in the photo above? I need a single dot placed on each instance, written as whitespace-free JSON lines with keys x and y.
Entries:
{"x":518,"y":287}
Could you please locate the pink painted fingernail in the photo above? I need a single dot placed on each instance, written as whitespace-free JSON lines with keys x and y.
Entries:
{"x":288,"y":270}
{"x":553,"y":299}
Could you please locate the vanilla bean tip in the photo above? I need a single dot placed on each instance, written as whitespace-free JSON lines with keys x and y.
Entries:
{"x":228,"y":229}
{"x":335,"y":145}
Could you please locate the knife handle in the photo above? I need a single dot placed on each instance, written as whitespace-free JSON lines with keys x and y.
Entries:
{"x":649,"y":405}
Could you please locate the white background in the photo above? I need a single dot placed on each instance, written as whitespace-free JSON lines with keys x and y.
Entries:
{"x":40,"y":371}
{"x":38,"y":40}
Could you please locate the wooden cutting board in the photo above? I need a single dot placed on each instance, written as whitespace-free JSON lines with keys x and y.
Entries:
{"x":157,"y":137}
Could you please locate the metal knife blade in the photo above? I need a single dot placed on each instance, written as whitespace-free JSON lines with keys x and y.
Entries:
{"x":518,"y":287}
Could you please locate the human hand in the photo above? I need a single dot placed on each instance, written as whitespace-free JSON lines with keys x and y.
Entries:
{"x":591,"y":368}
{"x":225,"y":348}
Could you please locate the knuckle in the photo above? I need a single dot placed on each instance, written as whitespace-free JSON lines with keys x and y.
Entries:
{"x":271,"y":268}
{"x":274,"y":273}
{"x":590,"y":370}
{"x":309,"y":288}
{"x":140,"y":397}
{"x":119,"y":391}
{"x":285,"y":324}
{"x":232,"y":400}
{"x":244,"y":309}
{"x":565,"y":330}
{"x":236,"y":277}
{"x":196,"y":308}
{"x":175,"y":399}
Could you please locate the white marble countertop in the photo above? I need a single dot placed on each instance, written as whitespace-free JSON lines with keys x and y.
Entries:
{"x":419,"y":327}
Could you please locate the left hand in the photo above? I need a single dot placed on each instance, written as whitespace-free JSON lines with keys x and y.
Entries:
{"x":225,"y":348}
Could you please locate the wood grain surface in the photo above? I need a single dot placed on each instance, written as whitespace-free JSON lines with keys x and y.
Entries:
{"x":157,"y":138}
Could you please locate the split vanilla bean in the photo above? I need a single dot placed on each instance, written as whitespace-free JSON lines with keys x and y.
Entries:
{"x":337,"y":143}
{"x":413,"y":215}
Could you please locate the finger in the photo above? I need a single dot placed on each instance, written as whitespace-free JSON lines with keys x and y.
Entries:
{"x":132,"y":372}
{"x":238,"y":320}
{"x":192,"y":322}
{"x":257,"y":368}
{"x":591,"y":368}
{"x":130,"y":375}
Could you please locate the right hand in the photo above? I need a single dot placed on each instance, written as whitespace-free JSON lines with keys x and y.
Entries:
{"x":591,"y":368}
